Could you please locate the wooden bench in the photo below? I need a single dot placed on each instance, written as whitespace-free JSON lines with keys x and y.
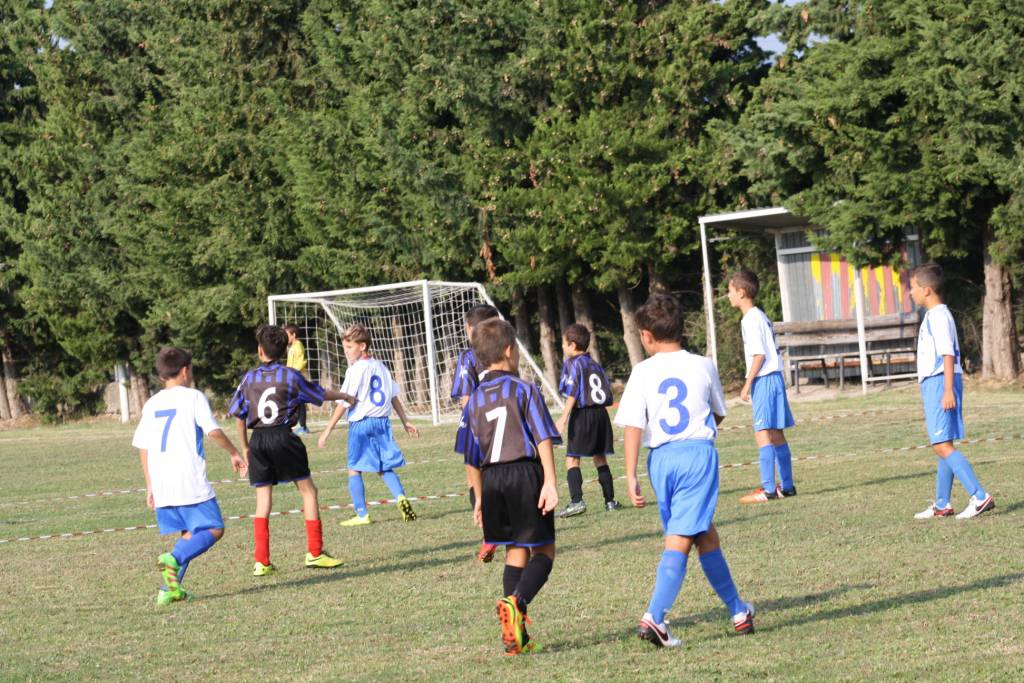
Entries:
{"x":832,"y":344}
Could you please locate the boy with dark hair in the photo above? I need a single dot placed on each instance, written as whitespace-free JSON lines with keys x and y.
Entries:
{"x":465,"y":381}
{"x":766,"y":390}
{"x":371,"y":445}
{"x":587,"y":390}
{"x":297,"y":360}
{"x":673,"y":404}
{"x":942,"y":392}
{"x":267,"y":401}
{"x":513,"y":476}
{"x":169,"y":439}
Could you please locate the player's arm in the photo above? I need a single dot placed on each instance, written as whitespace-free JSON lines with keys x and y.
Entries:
{"x":396,"y":403}
{"x":463,"y":400}
{"x":631,"y":454}
{"x":755,"y":367}
{"x":238,"y":463}
{"x":335,"y":395}
{"x":144,"y":459}
{"x":300,"y":357}
{"x":548,"y":500}
{"x":339,"y":411}
{"x":563,"y":421}
{"x":948,"y":371}
{"x":243,"y":438}
{"x":476,"y":483}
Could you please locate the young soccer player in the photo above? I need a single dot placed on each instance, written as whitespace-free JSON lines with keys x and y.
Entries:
{"x":587,"y":392}
{"x":766,"y":389}
{"x":267,"y":401}
{"x":465,"y":381}
{"x":942,"y":392}
{"x":297,"y":360}
{"x":513,"y":475}
{"x":371,"y":445}
{"x":673,"y":404}
{"x":170,"y":443}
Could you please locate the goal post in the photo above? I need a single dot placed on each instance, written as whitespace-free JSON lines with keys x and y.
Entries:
{"x":417,"y":329}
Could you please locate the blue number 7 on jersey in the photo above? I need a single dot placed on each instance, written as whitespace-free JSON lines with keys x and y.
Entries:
{"x":169,"y":414}
{"x":677,"y":403}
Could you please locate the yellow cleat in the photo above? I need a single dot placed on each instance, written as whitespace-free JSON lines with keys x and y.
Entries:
{"x":357,"y":521}
{"x":323,"y":560}
{"x":260,"y":569}
{"x":405,"y":507}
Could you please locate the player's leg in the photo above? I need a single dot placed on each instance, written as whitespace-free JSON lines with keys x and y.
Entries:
{"x":607,"y":482}
{"x":207,"y":526}
{"x":574,"y":477}
{"x":766,"y":462}
{"x":315,"y":554}
{"x":941,"y":507}
{"x":394,"y":484}
{"x":960,"y":467}
{"x":712,"y":561}
{"x":786,"y":488}
{"x":261,"y":530}
{"x":357,"y":491}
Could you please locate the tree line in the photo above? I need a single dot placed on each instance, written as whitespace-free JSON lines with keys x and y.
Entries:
{"x":166,"y":166}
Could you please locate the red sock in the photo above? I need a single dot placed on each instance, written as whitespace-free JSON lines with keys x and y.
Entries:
{"x":314,"y":537}
{"x":261,"y":532}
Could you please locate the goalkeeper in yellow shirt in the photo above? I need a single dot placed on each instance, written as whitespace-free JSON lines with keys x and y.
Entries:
{"x":297,"y":360}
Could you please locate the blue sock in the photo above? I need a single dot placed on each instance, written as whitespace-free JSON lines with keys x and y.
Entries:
{"x":717,"y":571}
{"x":393,"y":483}
{"x":785,"y":459}
{"x":943,"y":483}
{"x":358,"y":493}
{"x":767,"y":467}
{"x":187,"y":549}
{"x":957,"y":462}
{"x":671,"y":572}
{"x":181,"y":572}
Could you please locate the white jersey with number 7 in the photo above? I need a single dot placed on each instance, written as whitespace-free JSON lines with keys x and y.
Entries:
{"x":672,"y":396}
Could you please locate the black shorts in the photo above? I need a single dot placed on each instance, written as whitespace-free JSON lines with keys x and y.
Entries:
{"x":590,"y":433}
{"x":509,"y":505}
{"x":276,"y":456}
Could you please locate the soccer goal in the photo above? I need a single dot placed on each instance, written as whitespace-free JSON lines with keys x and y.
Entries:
{"x":418,"y":330}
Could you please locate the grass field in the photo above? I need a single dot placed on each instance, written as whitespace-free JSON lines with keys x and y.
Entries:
{"x":847,"y":584}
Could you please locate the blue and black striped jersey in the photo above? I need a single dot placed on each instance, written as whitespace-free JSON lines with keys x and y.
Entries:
{"x":508,"y":420}
{"x":584,"y":380}
{"x":270,"y":396}
{"x":467,"y":376}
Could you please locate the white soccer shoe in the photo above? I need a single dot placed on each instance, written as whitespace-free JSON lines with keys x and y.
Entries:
{"x":977,"y":506}
{"x":656,"y":633}
{"x":743,"y":622}
{"x":932,"y":512}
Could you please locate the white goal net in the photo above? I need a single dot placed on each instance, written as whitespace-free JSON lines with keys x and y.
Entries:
{"x":417,"y":328}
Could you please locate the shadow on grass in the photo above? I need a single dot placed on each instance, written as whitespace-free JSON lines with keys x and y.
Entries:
{"x":870,"y":482}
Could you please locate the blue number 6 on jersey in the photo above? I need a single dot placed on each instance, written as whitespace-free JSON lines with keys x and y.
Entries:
{"x":677,"y":403}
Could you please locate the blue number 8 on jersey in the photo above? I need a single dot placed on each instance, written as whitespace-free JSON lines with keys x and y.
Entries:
{"x":676,"y":403}
{"x":376,"y":394}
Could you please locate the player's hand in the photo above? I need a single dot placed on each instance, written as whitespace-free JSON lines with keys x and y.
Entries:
{"x":149,"y":500}
{"x":635,"y":497}
{"x":948,"y":400}
{"x":548,"y":500}
{"x":239,"y":465}
{"x":478,"y":515}
{"x":322,"y":441}
{"x":745,"y":393}
{"x":411,"y":429}
{"x":560,"y":425}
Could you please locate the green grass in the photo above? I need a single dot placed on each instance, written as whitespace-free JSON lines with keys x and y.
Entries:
{"x":847,"y":584}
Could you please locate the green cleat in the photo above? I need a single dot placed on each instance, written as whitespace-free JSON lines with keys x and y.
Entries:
{"x":405,"y":507}
{"x":323,"y":560}
{"x":166,"y":596}
{"x":169,"y":569}
{"x":357,"y":520}
{"x":260,"y":569}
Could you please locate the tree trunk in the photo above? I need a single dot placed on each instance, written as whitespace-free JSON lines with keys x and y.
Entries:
{"x":656,"y":282}
{"x":548,"y":337}
{"x":5,"y":410}
{"x":524,"y":330}
{"x":585,"y":317}
{"x":138,"y":392}
{"x":15,"y":406}
{"x":401,"y":358}
{"x":564,"y":300}
{"x":1000,"y":349}
{"x":630,"y":330}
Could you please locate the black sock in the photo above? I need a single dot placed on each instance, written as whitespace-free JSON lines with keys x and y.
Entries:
{"x":472,"y":498}
{"x":604,"y":476}
{"x":511,"y":579}
{"x":575,"y":478}
{"x":535,"y":575}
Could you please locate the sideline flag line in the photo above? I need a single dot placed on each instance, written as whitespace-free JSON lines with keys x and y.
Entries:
{"x":391,"y":501}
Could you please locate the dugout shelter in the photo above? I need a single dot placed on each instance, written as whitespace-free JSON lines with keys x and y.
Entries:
{"x":834,"y":316}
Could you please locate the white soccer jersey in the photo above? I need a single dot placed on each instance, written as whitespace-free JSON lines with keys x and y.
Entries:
{"x":937,"y":338}
{"x":672,"y":396}
{"x":370,"y":381}
{"x":759,"y":340}
{"x":171,"y":431}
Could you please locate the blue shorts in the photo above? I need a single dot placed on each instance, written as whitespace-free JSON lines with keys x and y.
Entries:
{"x":684,"y":476}
{"x":191,"y":518}
{"x":943,"y":425}
{"x":771,"y":407}
{"x":372,"y":447}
